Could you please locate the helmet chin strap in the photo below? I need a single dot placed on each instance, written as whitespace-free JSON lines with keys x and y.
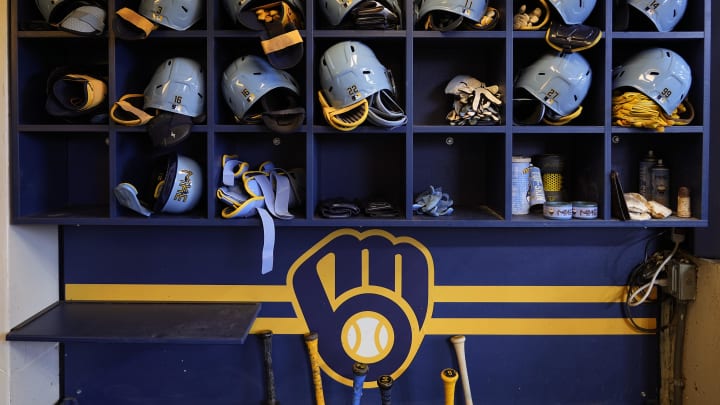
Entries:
{"x":268,"y":192}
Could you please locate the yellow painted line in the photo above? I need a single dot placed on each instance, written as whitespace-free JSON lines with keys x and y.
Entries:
{"x":534,"y":326}
{"x":280,"y":326}
{"x":532,"y":294}
{"x":282,"y":293}
{"x":180,"y":292}
{"x":491,"y":326}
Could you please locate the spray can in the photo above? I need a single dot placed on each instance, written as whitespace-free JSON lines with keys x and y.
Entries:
{"x":660,"y":180}
{"x":644,"y":184}
{"x":520,"y":185}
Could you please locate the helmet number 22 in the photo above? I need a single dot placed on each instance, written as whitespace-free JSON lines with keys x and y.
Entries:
{"x":354,"y":92}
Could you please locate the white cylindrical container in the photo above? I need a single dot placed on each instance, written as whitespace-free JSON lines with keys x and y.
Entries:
{"x":520,"y":185}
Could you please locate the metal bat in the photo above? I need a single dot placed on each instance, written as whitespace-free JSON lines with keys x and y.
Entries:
{"x":458,"y":342}
{"x":311,"y":341}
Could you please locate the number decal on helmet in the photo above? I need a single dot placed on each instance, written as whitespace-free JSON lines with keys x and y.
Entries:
{"x":354,"y":92}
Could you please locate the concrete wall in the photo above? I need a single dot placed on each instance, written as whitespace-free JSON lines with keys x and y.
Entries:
{"x":28,"y":280}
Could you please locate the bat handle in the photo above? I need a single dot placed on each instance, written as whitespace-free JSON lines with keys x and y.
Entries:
{"x":458,"y":342}
{"x":311,"y":340}
{"x":266,"y":337}
{"x":385,"y":383}
{"x":360,"y":371}
{"x":449,"y":377}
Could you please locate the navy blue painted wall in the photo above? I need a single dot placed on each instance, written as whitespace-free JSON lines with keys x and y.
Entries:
{"x":504,"y":369}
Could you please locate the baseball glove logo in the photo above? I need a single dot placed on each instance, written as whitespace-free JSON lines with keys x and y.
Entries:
{"x":367,"y":294}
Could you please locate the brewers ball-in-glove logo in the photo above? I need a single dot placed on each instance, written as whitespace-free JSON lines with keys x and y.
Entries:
{"x":367,"y":295}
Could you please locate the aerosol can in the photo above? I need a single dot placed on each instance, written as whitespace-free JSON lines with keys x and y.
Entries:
{"x":660,"y":179}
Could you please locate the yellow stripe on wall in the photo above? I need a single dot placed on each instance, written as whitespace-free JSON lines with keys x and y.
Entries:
{"x":178,"y":292}
{"x":501,"y":293}
{"x":534,"y":326}
{"x":282,"y":293}
{"x":491,"y":326}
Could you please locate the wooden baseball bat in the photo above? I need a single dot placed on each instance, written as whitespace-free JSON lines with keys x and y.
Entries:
{"x":385,"y":383}
{"x":311,"y":341}
{"x":360,"y":371}
{"x":458,"y":342}
{"x":266,"y":337}
{"x":449,"y":378}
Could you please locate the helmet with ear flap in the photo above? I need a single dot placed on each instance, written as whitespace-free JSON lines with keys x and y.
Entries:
{"x":178,"y":86}
{"x":574,"y":11}
{"x":664,"y":14}
{"x":659,"y":73}
{"x":559,"y":81}
{"x":176,"y":14}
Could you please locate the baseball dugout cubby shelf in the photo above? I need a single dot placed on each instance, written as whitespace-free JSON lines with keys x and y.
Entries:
{"x":139,"y":322}
{"x":64,"y":173}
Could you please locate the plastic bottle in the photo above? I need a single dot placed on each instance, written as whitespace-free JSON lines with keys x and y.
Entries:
{"x":644,"y":183}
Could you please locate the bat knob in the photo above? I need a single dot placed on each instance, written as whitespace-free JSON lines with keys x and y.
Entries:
{"x":449,"y":375}
{"x":265,"y":334}
{"x":311,"y":336}
{"x":385,"y":382}
{"x":457,"y":339}
{"x":360,"y":368}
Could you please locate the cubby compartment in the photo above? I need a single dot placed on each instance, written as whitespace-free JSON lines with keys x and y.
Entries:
{"x":385,"y":51}
{"x":285,"y":151}
{"x":42,"y":59}
{"x":139,"y":163}
{"x":141,"y":59}
{"x":223,"y":20}
{"x":634,"y":20}
{"x":161,"y":30}
{"x":65,"y":176}
{"x":440,"y":60}
{"x":691,"y":50}
{"x":469,"y":167}
{"x":681,"y":153}
{"x":360,"y":167}
{"x":338,"y":15}
{"x":580,"y":176}
{"x":229,"y":50}
{"x":532,"y":57}
{"x":595,"y":18}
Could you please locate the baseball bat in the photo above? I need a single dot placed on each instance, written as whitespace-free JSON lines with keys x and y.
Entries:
{"x":311,"y":341}
{"x":385,"y":383}
{"x":360,"y":371}
{"x":266,"y":337}
{"x":449,"y":378}
{"x":459,"y":342}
